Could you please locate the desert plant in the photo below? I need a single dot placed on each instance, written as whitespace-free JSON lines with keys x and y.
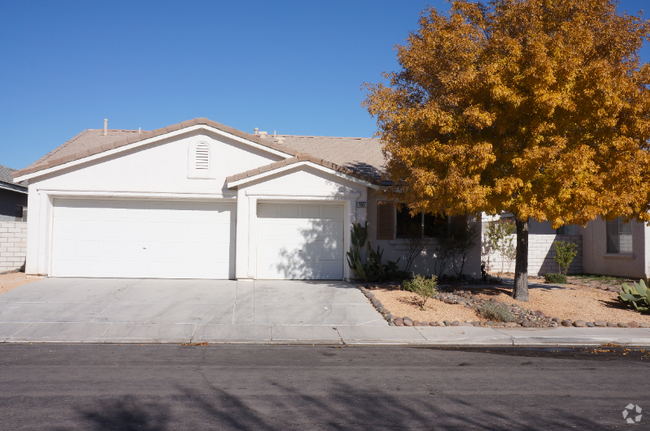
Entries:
{"x":452,"y":248}
{"x":372,"y":269}
{"x":637,"y":296}
{"x":500,"y":239}
{"x":564,"y":254}
{"x":415,"y":243}
{"x":497,"y":312}
{"x":555,"y":278}
{"x":423,"y":286}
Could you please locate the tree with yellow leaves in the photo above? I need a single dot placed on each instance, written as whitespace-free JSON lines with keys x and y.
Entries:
{"x":540,"y":108}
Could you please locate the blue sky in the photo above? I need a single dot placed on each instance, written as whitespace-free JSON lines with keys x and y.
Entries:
{"x":291,"y":66}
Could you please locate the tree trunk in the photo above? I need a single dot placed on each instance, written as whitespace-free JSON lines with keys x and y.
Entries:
{"x":520,"y":292}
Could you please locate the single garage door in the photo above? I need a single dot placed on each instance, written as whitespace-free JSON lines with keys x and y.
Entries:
{"x":110,"y":238}
{"x":300,"y":241}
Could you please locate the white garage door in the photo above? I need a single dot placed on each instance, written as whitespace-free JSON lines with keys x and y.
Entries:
{"x":108,"y":238}
{"x":300,"y":241}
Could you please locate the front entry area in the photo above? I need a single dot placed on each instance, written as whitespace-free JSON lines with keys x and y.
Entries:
{"x":300,"y":241}
{"x":143,"y":239}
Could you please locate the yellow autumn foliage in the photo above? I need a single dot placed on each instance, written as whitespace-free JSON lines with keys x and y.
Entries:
{"x":536,"y":107}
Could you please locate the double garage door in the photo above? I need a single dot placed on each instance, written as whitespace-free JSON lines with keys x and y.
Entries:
{"x":147,"y":239}
{"x":110,"y":238}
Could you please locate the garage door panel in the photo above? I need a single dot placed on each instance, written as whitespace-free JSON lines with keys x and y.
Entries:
{"x":95,"y":238}
{"x":295,"y":242}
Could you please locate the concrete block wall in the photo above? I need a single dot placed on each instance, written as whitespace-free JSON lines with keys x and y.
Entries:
{"x":13,"y":245}
{"x":541,"y":254}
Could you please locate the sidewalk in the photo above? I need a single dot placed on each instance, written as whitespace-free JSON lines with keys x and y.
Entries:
{"x":99,"y":332}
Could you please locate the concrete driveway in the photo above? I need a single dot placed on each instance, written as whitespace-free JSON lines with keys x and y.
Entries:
{"x":151,"y":310}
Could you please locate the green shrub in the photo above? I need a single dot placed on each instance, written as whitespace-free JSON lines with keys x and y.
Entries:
{"x":497,"y":312}
{"x":564,"y":254}
{"x":637,"y":296}
{"x":424,"y":287}
{"x":554,"y":278}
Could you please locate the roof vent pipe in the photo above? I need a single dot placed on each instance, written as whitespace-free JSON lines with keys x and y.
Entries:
{"x":105,"y":126}
{"x":139,"y":130}
{"x":256,"y":129}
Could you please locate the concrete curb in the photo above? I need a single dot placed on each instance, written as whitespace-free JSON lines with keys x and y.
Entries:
{"x":39,"y":332}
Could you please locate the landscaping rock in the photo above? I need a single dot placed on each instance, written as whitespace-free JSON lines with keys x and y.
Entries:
{"x":407,"y":321}
{"x":510,"y":324}
{"x":423,"y":323}
{"x":600,"y":323}
{"x":623,"y":325}
{"x":580,"y":324}
{"x":590,"y":324}
{"x":447,"y":323}
{"x":399,"y":321}
{"x":611,"y":324}
{"x":633,"y":324}
{"x":455,"y":323}
{"x":567,"y":323}
{"x":527,"y":324}
{"x":644,"y":325}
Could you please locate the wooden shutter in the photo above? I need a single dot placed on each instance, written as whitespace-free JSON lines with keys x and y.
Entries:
{"x":385,"y":220}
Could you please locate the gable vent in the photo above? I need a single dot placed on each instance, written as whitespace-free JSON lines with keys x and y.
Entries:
{"x":202,"y":157}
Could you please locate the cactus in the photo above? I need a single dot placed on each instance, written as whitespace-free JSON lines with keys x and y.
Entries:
{"x":372,"y":269}
{"x":637,"y":296}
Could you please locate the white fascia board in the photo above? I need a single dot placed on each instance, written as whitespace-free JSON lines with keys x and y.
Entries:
{"x":300,"y":164}
{"x":148,"y":141}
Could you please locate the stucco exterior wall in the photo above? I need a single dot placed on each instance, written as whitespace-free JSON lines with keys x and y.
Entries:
{"x":424,"y":263}
{"x":598,"y":261}
{"x":13,"y":245}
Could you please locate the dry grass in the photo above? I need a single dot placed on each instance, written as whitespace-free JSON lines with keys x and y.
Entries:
{"x":575,"y":302}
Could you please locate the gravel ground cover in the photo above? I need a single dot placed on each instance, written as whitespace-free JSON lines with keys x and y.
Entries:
{"x":583,"y":302}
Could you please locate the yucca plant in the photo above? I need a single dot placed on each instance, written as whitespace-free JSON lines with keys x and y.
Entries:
{"x":637,"y":296}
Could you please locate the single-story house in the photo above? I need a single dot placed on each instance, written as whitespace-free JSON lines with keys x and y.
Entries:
{"x":202,"y":200}
{"x":604,"y":247}
{"x":13,"y":197}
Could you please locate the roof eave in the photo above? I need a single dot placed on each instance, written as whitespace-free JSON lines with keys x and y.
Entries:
{"x":247,"y":177}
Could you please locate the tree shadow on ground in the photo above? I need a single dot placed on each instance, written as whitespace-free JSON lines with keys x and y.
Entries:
{"x":341,"y":407}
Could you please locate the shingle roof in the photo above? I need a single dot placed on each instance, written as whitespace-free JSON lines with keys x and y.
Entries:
{"x":361,"y":157}
{"x":7,"y":178}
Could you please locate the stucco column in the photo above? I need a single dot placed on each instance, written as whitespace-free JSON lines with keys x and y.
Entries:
{"x":242,"y":238}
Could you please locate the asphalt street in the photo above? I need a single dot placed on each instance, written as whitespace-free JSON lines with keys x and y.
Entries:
{"x":244,"y":387}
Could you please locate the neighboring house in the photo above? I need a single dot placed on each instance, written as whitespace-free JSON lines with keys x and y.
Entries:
{"x":202,"y":200}
{"x":13,"y":197}
{"x":607,"y":248}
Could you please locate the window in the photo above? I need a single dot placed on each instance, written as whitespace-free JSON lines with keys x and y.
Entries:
{"x":569,"y":229}
{"x":619,"y":236}
{"x":21,"y":213}
{"x":419,"y":225}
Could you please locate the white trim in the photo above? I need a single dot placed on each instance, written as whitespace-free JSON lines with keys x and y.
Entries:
{"x":148,"y":141}
{"x":300,"y":164}
{"x":303,"y":196}
{"x":141,"y":195}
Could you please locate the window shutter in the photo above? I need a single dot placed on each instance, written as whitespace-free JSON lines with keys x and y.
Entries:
{"x":385,"y":220}
{"x":202,"y":157}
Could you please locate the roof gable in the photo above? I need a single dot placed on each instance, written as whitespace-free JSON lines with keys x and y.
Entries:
{"x":92,"y":143}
